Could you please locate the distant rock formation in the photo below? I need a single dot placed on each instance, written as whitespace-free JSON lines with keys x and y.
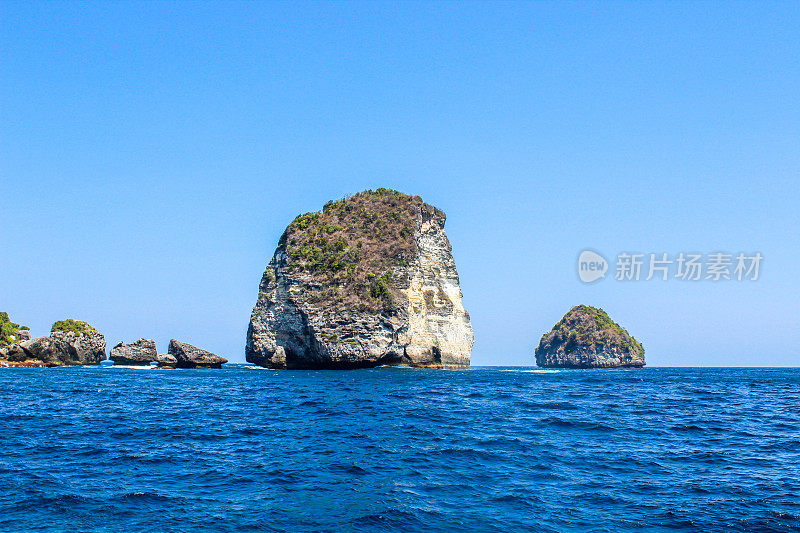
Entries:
{"x":188,"y":356}
{"x":70,"y":342}
{"x":141,"y":352}
{"x":369,"y":281}
{"x":587,"y":338}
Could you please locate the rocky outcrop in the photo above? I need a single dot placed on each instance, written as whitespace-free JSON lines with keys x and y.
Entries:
{"x":70,"y":343}
{"x":188,"y":356}
{"x":141,"y":352}
{"x":587,"y":338}
{"x":46,"y":351}
{"x":89,"y":349}
{"x":49,"y":350}
{"x":166,"y":360}
{"x":89,"y":344}
{"x":15,"y":353}
{"x":369,"y":281}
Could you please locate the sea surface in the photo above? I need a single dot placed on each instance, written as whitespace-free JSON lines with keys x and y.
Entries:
{"x":487,"y":449}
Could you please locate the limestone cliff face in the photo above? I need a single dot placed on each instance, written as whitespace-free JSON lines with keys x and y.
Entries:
{"x":587,"y":338}
{"x":369,"y":281}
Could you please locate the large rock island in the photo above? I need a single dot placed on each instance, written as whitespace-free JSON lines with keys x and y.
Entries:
{"x":587,"y":338}
{"x":369,"y":281}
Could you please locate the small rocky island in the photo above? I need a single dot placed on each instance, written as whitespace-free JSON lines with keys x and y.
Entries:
{"x":184,"y":355}
{"x":587,"y":338}
{"x":71,"y":342}
{"x":368,"y":281}
{"x":180,"y":355}
{"x":140,"y":353}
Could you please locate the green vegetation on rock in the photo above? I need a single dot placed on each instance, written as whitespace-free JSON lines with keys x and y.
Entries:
{"x":78,"y":327}
{"x":346,"y":254}
{"x":8,"y":330}
{"x":585,"y":325}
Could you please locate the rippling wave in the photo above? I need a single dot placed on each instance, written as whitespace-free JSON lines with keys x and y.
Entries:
{"x":387,"y":449}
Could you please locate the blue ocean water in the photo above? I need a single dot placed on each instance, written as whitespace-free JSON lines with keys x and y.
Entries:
{"x":486,"y":449}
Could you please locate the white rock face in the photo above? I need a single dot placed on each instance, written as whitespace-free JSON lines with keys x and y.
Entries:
{"x":428,"y":327}
{"x":438,"y":325}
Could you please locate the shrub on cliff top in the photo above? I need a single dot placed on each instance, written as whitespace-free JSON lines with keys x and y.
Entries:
{"x":78,"y":327}
{"x":347,"y":252}
{"x":8,"y":330}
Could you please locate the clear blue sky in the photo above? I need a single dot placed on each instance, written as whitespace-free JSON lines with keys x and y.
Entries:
{"x":152,"y":154}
